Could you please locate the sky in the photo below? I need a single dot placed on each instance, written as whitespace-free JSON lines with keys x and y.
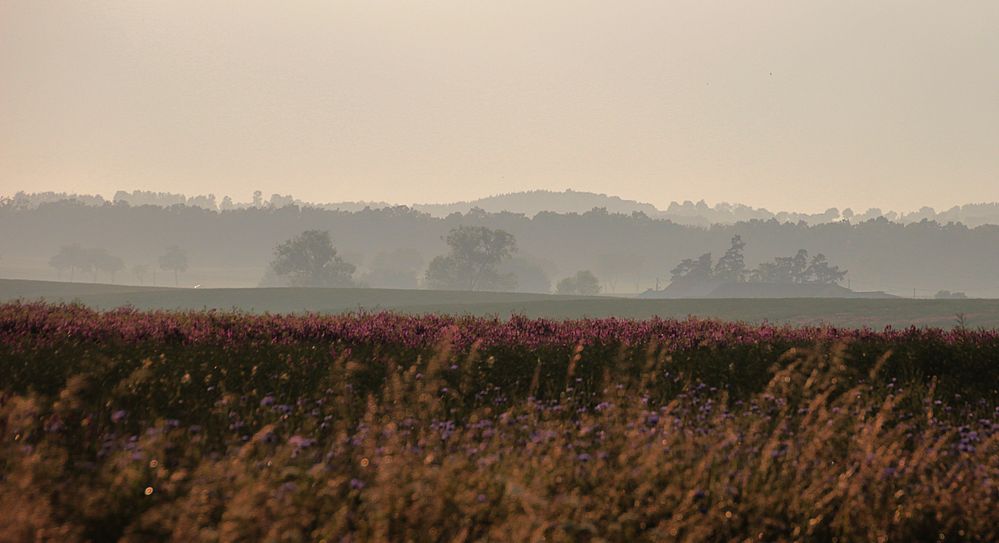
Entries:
{"x":790,"y":105}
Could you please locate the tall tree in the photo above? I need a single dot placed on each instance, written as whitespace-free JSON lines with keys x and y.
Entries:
{"x":799,"y":266}
{"x":820,"y":271}
{"x":689,"y":268}
{"x":69,"y":257}
{"x":175,"y":260}
{"x":732,"y":266}
{"x":476,"y":252}
{"x":310,"y":260}
{"x":102,"y":260}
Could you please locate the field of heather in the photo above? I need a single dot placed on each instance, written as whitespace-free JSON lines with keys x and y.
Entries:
{"x":212,"y":426}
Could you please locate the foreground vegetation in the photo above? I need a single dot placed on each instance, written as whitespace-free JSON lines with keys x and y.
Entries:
{"x":203,"y":426}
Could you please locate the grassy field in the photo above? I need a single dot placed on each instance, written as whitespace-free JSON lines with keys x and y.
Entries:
{"x":874,"y":313}
{"x":195,"y":426}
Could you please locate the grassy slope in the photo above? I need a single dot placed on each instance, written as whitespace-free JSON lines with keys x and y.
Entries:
{"x":842,"y":312}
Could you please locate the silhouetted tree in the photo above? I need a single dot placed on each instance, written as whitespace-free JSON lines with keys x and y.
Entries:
{"x":701,"y":268}
{"x":798,"y":269}
{"x":310,"y":260}
{"x":799,"y":266}
{"x":69,"y":257}
{"x":820,"y":271}
{"x":175,"y":260}
{"x":106,"y":262}
{"x":784,"y":269}
{"x":476,"y":252}
{"x":75,"y":258}
{"x":732,"y":266}
{"x":583,"y":282}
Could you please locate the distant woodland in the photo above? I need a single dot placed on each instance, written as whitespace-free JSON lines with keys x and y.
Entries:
{"x":393,"y":246}
{"x":531,"y":203}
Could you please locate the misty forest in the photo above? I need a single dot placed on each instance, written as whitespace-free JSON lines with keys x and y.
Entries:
{"x":400,"y":247}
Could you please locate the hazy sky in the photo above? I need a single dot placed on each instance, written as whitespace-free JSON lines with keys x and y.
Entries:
{"x":792,"y":104}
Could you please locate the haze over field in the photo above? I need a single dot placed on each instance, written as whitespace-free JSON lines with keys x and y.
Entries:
{"x":508,"y":270}
{"x":796,"y":106}
{"x":842,"y":146}
{"x":397,"y":247}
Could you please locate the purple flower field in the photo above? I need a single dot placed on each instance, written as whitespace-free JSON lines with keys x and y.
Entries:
{"x":211,"y":426}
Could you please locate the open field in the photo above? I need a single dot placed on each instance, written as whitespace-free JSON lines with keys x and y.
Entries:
{"x":200,"y":426}
{"x":873,"y":313}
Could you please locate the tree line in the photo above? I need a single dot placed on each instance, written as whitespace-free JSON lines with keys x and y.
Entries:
{"x":72,"y":259}
{"x":532,"y":202}
{"x":473,"y":262}
{"x":731,"y":267}
{"x":394,"y":246}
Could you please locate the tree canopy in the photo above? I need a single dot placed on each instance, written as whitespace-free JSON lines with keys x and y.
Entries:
{"x":310,"y":260}
{"x":175,"y":260}
{"x":472,"y":264}
{"x":92,"y":259}
{"x":798,"y":268}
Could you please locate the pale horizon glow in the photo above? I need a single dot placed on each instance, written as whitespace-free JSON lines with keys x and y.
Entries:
{"x":796,"y":106}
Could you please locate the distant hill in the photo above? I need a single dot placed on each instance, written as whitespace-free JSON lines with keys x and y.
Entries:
{"x":531,"y":203}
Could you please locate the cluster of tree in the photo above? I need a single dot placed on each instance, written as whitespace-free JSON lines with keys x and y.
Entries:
{"x":948,"y":295}
{"x":731,"y":267}
{"x":203,"y":201}
{"x":25,"y":200}
{"x":233,"y":248}
{"x":138,"y":198}
{"x":479,"y":259}
{"x":174,"y":260}
{"x":74,"y":258}
{"x":310,"y":260}
{"x":476,"y":253}
{"x":583,"y":282}
{"x":799,"y":269}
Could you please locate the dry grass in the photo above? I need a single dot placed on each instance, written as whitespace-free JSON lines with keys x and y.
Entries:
{"x":816,"y":455}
